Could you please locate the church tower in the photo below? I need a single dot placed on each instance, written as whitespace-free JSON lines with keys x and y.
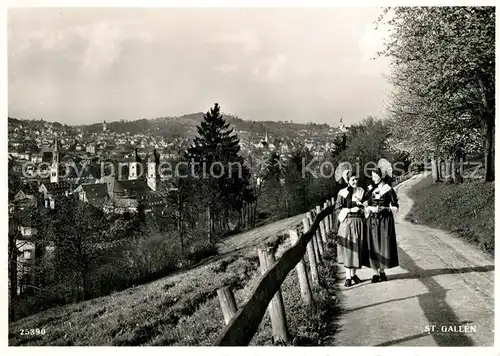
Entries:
{"x":153,"y":175}
{"x":104,"y":126}
{"x":134,"y":167}
{"x":54,"y":168}
{"x":342,"y":128}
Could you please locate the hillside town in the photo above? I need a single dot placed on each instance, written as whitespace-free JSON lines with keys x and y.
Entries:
{"x":50,"y":161}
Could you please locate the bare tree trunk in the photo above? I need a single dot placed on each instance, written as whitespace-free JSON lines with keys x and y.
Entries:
{"x":254,"y":214}
{"x":449,"y":171}
{"x":209,"y":224}
{"x":489,"y":150}
{"x":226,"y":220}
{"x":457,"y":169}
{"x":245,"y":215}
{"x":442,"y":169}
{"x":180,"y":224}
{"x":240,"y":219}
{"x":435,"y":169}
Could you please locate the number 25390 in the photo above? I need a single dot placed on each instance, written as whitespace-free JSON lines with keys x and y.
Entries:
{"x":27,"y":332}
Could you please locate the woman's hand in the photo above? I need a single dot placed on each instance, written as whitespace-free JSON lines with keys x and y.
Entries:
{"x":354,"y":210}
{"x":374,"y":209}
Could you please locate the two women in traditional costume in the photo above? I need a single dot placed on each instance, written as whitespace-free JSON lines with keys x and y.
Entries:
{"x":366,"y":233}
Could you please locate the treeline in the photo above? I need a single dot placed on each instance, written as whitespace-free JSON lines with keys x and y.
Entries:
{"x":443,"y":61}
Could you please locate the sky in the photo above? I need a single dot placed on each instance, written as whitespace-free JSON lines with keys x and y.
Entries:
{"x":86,"y":65}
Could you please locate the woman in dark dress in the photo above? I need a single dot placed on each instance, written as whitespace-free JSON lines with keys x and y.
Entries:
{"x":381,"y":250}
{"x":351,"y":232}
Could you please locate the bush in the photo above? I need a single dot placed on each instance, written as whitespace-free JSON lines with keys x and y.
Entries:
{"x":201,"y":250}
{"x":140,"y":260}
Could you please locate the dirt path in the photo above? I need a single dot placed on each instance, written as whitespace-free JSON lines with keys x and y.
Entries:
{"x":440,"y":281}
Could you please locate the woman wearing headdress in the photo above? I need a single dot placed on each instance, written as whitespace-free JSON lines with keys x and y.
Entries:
{"x":381,"y":246}
{"x":351,"y":231}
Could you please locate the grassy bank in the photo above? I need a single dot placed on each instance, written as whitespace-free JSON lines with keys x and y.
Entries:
{"x":183,"y":309}
{"x":467,"y":210}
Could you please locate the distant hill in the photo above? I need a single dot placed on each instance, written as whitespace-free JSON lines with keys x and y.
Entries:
{"x":185,"y":126}
{"x":171,"y":128}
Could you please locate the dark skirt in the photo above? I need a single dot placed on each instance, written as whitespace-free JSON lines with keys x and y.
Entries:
{"x":380,"y":249}
{"x":350,"y":239}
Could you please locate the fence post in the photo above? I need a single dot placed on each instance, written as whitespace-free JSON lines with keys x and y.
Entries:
{"x":315,"y":240}
{"x":311,"y":255}
{"x":319,"y":238}
{"x":305,"y":288}
{"x":276,"y":308}
{"x":328,"y":220}
{"x":227,"y":303}
{"x":334,"y":216}
{"x":322,"y":229}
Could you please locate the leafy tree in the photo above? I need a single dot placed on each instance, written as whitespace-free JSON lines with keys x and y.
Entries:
{"x":443,"y":61}
{"x":79,"y":233}
{"x":274,"y":178}
{"x":296,"y":185}
{"x":366,"y":142}
{"x":13,"y":179}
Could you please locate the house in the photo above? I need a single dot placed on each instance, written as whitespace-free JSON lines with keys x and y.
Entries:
{"x":52,"y":191}
{"x":21,"y":156}
{"x":26,"y":249}
{"x":25,"y":263}
{"x":117,"y":196}
{"x":36,"y":158}
{"x":94,"y":194}
{"x":27,"y":192}
{"x":120,"y":206}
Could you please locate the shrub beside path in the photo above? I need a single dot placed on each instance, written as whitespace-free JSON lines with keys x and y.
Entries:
{"x":441,"y":281}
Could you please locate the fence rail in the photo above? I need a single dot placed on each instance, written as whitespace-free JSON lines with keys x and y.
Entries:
{"x":242,"y":327}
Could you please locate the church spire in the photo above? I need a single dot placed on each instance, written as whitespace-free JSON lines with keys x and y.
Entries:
{"x":54,"y":168}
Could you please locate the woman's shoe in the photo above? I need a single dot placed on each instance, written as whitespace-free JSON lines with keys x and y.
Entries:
{"x":348,"y":283}
{"x":375,"y":278}
{"x":383,"y":277}
{"x":356,"y":279}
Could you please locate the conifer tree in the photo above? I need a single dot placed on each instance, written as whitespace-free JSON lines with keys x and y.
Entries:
{"x":221,"y":179}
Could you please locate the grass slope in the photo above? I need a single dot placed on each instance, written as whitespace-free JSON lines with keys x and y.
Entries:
{"x":183,"y":309}
{"x":466,"y":209}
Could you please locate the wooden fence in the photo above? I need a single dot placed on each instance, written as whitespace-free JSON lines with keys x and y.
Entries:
{"x":242,"y":324}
